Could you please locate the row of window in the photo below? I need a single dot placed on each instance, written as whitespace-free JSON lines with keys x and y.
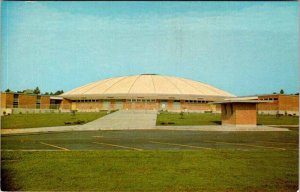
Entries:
{"x":38,"y":102}
{"x":88,"y":101}
{"x":38,"y":106}
{"x":269,"y":99}
{"x":140,"y":100}
{"x":196,"y":101}
{"x":16,"y":101}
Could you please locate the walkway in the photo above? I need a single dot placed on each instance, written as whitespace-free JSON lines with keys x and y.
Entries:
{"x":125,"y":119}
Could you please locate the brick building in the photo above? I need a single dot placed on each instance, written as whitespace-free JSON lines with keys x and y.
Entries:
{"x":239,"y":112}
{"x":146,"y":91}
{"x":19,"y":102}
{"x":279,"y":104}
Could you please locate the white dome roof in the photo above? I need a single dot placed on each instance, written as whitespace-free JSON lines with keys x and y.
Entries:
{"x":146,"y":85}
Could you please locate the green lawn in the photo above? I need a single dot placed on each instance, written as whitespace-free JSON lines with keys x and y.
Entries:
{"x":259,"y":164}
{"x":47,"y":119}
{"x":150,"y":171}
{"x":273,"y":120}
{"x":167,"y":118}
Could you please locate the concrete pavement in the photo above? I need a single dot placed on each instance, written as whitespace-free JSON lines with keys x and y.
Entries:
{"x":125,"y":119}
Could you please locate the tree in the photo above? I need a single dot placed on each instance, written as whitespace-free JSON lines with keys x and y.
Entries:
{"x":46,"y":93}
{"x":59,"y":92}
{"x":281,"y":91}
{"x":36,"y":90}
{"x":7,"y":90}
{"x":274,"y":93}
{"x":28,"y":91}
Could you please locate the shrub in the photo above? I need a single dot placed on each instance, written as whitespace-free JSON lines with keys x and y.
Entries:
{"x":181,"y":114}
{"x":73,"y":112}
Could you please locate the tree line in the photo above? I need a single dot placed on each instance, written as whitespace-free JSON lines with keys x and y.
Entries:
{"x":282,"y":92}
{"x":36,"y":91}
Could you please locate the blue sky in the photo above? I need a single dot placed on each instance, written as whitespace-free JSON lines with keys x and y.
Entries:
{"x":244,"y":48}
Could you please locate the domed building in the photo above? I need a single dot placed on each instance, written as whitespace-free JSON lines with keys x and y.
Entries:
{"x":145,"y":91}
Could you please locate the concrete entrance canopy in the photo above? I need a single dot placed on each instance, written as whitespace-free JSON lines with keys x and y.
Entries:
{"x":239,"y":112}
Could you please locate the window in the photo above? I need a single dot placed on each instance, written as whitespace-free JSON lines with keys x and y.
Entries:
{"x":231,"y":108}
{"x":16,"y":98}
{"x":38,"y":102}
{"x":16,"y":101}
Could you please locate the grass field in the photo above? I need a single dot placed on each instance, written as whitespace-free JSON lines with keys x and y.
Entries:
{"x":151,"y":161}
{"x":273,"y":120}
{"x":46,"y":119}
{"x":167,"y":118}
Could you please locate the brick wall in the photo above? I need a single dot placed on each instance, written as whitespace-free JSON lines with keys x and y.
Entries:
{"x":170,"y":105}
{"x":148,"y":106}
{"x":228,"y":115}
{"x":86,"y":106}
{"x":3,"y":100}
{"x":239,"y":114}
{"x":82,"y":106}
{"x":27,"y":101}
{"x":270,"y":105}
{"x":65,"y":104}
{"x":288,"y":103}
{"x":196,"y":106}
{"x":45,"y":102}
{"x":245,"y":113}
{"x":140,"y":105}
{"x":7,"y":100}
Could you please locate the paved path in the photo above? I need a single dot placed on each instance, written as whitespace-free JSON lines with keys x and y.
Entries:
{"x":124,"y":120}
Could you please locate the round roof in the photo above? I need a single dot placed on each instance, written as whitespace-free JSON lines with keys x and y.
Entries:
{"x":146,"y":85}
